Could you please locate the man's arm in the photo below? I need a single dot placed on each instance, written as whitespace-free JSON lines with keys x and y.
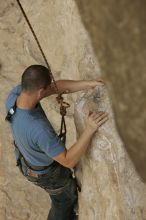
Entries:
{"x":70,"y":86}
{"x":70,"y":158}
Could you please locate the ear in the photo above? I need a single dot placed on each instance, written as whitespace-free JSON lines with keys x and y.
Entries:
{"x":40,"y":93}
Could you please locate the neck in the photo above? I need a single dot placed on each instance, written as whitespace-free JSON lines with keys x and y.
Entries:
{"x":26,"y":101}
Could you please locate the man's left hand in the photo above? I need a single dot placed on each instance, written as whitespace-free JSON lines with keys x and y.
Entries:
{"x":96,"y":82}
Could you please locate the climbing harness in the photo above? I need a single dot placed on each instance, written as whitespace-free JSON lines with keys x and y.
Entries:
{"x":63,"y":105}
{"x":10,"y":113}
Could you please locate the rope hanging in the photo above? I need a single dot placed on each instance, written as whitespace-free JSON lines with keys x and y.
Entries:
{"x":60,"y":99}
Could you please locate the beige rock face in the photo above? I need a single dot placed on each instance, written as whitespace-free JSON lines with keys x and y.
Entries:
{"x":118,"y":34}
{"x":111,"y":188}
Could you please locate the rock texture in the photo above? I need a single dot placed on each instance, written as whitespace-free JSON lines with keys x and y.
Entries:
{"x":118,"y":34}
{"x":111,"y":188}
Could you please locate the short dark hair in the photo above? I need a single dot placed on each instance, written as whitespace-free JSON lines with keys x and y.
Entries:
{"x":35,"y":77}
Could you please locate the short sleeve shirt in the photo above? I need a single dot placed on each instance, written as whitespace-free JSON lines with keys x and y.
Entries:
{"x":33,"y":133}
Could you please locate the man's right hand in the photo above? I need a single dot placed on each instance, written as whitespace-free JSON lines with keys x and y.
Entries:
{"x":70,"y":157}
{"x":95,"y":120}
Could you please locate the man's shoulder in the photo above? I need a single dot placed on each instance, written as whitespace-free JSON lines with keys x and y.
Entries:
{"x":11,"y":98}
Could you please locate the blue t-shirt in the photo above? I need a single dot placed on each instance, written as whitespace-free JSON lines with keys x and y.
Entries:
{"x":33,"y":133}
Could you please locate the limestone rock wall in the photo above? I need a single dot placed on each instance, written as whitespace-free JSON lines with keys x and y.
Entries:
{"x":111,"y":188}
{"x":117,"y":191}
{"x":118,"y":34}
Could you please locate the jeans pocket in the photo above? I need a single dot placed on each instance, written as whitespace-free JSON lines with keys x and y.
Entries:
{"x":61,"y":199}
{"x":67,"y":199}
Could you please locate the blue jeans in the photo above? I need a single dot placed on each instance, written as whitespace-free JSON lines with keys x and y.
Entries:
{"x":62,"y":188}
{"x":63,"y":203}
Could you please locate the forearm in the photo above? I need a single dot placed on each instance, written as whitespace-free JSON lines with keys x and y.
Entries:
{"x":70,"y":86}
{"x":74,"y":154}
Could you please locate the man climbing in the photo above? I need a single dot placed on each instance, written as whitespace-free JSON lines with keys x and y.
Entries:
{"x":41,"y":155}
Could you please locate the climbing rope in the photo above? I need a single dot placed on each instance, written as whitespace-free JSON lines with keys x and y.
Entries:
{"x":60,"y":99}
